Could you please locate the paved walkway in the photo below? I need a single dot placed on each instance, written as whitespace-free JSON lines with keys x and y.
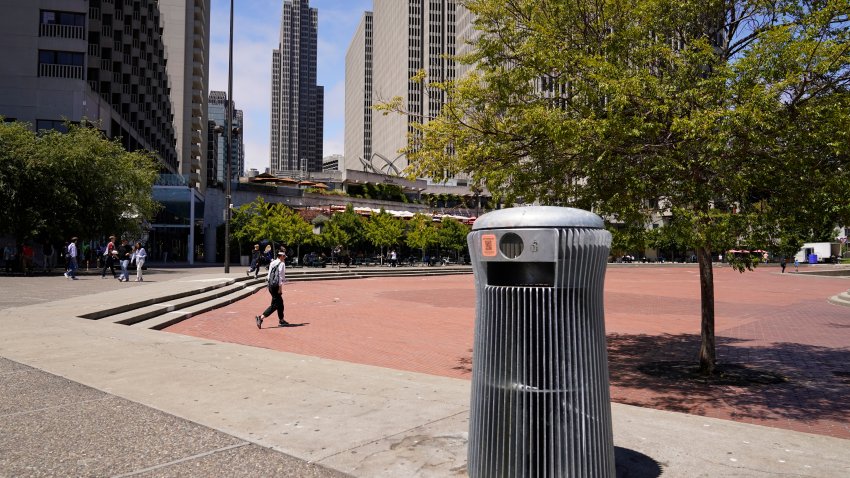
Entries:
{"x":777,"y":322}
{"x":238,"y":401}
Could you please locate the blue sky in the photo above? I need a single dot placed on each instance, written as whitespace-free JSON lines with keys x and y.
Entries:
{"x":256,"y":32}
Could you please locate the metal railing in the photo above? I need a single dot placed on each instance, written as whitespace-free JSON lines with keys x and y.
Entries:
{"x":62,"y":31}
{"x":60,"y":71}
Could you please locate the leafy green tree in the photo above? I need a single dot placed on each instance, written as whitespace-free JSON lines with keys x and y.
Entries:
{"x":242,"y":226}
{"x":333,"y":235}
{"x":296,"y":229}
{"x":352,"y":224}
{"x":421,"y":233}
{"x":57,"y":184}
{"x":383,"y":230}
{"x":677,"y":104}
{"x":452,"y":235}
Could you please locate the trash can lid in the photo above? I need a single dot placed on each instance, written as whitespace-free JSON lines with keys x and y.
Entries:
{"x":538,"y":216}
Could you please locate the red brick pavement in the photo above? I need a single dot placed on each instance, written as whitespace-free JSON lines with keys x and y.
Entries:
{"x":772,"y":321}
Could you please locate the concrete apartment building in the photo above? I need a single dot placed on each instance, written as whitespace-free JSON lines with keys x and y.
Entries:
{"x":392,"y":44}
{"x":187,"y":38}
{"x":297,"y":116}
{"x":218,"y":118}
{"x":99,"y":60}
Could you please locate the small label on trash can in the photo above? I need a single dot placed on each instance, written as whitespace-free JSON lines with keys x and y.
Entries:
{"x":488,"y":245}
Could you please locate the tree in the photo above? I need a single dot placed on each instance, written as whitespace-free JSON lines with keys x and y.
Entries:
{"x":259,"y":220}
{"x":734,"y":115}
{"x":421,"y":233}
{"x":352,"y":224}
{"x":383,"y":230}
{"x":79,"y":182}
{"x":452,"y":235}
{"x":296,"y":229}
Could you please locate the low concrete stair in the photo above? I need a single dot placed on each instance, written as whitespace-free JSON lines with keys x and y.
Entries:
{"x":841,"y":299}
{"x":161,"y":312}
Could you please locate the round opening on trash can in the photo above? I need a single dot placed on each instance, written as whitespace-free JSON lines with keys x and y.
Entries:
{"x":511,"y":245}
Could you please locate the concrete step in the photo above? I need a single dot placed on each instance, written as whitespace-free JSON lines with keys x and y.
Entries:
{"x":166,"y":311}
{"x":145,"y":313}
{"x":130,"y":306}
{"x":175,"y":316}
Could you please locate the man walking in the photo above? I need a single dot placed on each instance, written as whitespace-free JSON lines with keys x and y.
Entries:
{"x":276,"y":278}
{"x":125,"y":253}
{"x":72,"y":260}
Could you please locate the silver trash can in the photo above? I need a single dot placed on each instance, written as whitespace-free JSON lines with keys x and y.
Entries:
{"x":540,"y":400}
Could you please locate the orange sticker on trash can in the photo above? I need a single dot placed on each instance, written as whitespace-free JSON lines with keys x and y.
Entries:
{"x":488,"y":245}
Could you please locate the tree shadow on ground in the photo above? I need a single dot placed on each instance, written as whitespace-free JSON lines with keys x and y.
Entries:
{"x":815,"y":386}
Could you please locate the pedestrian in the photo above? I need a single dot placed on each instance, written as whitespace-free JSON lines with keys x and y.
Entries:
{"x":267,"y":255}
{"x":796,"y":265}
{"x":27,"y":255}
{"x":255,"y":262}
{"x":71,"y":254}
{"x":275,"y":279}
{"x":8,"y":257}
{"x":125,"y":253}
{"x":108,"y":258}
{"x":782,"y":264}
{"x":47,"y":256}
{"x":139,"y":256}
{"x":393,"y":258}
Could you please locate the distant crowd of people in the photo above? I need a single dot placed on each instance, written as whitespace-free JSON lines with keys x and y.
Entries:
{"x":71,"y":255}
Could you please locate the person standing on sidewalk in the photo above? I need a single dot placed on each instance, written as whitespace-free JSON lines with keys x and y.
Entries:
{"x":125,"y":253}
{"x":108,"y":258}
{"x":276,"y":279}
{"x":72,"y":259}
{"x":139,"y":256}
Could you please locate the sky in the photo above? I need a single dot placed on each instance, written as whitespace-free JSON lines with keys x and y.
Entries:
{"x":256,"y":32}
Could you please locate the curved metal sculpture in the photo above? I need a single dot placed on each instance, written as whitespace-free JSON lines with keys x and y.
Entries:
{"x":388,"y":167}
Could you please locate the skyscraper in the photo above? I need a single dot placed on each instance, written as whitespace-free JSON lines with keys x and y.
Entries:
{"x":406,"y":36}
{"x":187,"y":39}
{"x":358,"y":97}
{"x":297,"y":115}
{"x":218,"y":115}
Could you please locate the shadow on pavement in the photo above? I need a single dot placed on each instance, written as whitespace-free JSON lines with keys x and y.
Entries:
{"x":814,"y":389}
{"x":632,"y":464}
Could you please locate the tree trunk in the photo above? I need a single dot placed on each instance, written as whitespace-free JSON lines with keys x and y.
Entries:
{"x":707,"y":351}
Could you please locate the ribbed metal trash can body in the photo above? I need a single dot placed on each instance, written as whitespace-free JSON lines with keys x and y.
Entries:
{"x":540,"y":400}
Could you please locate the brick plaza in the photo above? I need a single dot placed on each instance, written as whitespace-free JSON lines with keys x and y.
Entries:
{"x":764,"y":319}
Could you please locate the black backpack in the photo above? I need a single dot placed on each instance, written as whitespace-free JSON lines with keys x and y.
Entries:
{"x":274,"y":276}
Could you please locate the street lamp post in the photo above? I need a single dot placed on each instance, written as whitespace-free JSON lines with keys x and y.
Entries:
{"x":227,"y":192}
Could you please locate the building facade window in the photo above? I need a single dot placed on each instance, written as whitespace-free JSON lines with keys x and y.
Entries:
{"x":58,"y":125}
{"x":60,"y":64}
{"x":54,"y":23}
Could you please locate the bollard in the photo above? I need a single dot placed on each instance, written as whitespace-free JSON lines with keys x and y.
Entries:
{"x":540,"y":402}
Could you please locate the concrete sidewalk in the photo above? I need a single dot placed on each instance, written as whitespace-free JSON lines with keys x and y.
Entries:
{"x":235,"y":402}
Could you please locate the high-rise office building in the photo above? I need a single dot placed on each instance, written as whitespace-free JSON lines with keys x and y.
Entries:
{"x":358,"y":97}
{"x":97,"y":60}
{"x":297,"y":115}
{"x":406,"y":36}
{"x":218,"y":115}
{"x":187,"y":39}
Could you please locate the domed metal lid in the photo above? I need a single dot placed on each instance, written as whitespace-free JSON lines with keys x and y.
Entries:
{"x":538,"y":216}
